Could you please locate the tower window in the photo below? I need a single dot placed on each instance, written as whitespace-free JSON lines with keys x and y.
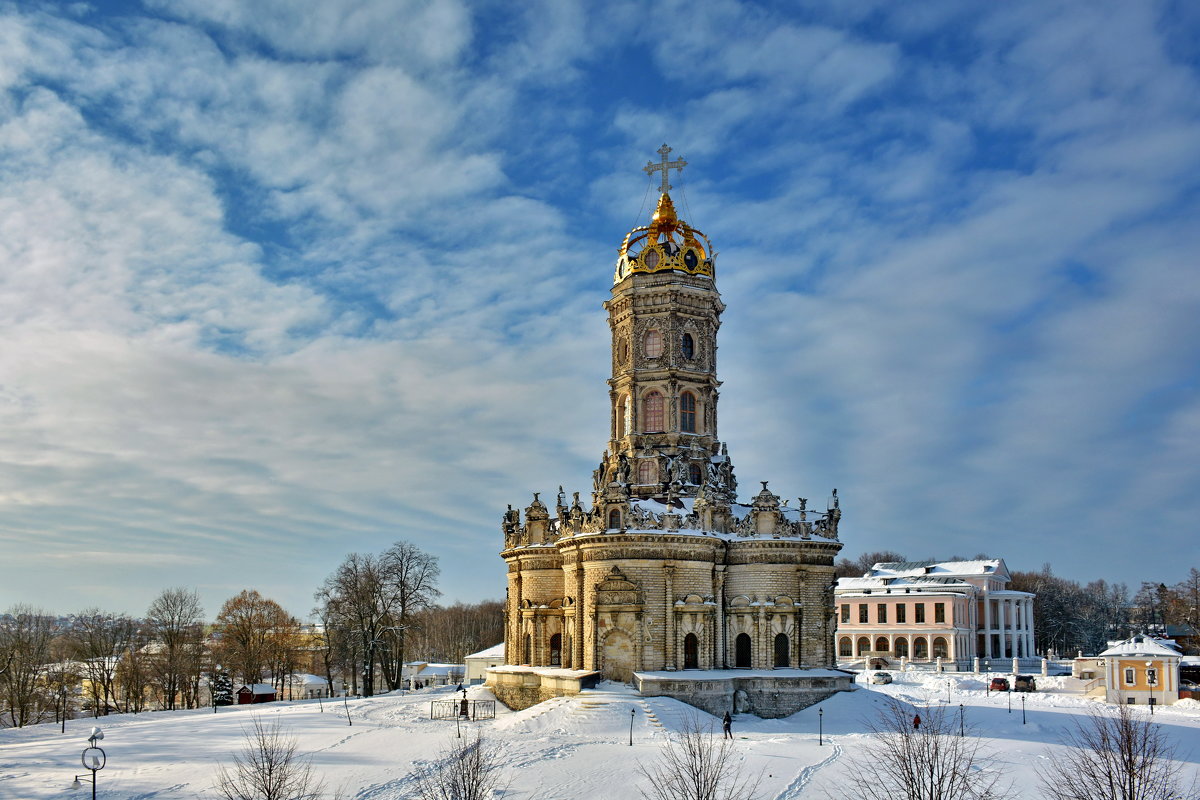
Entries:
{"x":687,"y":412}
{"x":622,"y":411}
{"x":694,"y":474}
{"x":688,"y":346}
{"x":647,"y":472}
{"x":652,"y":412}
{"x":614,"y":519}
{"x":653,"y":344}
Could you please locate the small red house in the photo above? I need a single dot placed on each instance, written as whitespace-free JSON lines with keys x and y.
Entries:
{"x":255,"y":693}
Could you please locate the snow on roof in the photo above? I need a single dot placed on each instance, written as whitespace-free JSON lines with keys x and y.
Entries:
{"x":495,"y":651}
{"x":885,"y":569}
{"x":1142,"y":645}
{"x":257,"y":688}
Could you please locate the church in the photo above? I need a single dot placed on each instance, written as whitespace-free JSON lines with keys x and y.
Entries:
{"x":664,"y":571}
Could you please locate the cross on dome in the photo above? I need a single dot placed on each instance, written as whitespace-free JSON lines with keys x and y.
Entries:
{"x":665,"y":167}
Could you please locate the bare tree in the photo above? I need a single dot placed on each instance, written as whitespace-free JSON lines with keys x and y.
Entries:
{"x":1115,"y":754}
{"x":267,"y":768}
{"x":374,"y":599}
{"x":861,"y":565}
{"x":26,"y":637}
{"x":933,"y":762}
{"x":251,"y":629}
{"x":470,"y":769}
{"x":96,"y":640}
{"x":696,"y":765}
{"x":176,"y":623}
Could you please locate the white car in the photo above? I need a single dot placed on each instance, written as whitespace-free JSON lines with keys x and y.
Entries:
{"x":881,"y":677}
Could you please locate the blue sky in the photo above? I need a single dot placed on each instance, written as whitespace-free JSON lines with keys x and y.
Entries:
{"x":283,"y":281}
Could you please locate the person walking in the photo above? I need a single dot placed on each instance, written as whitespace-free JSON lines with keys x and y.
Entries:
{"x":917,"y":722}
{"x":727,"y":723}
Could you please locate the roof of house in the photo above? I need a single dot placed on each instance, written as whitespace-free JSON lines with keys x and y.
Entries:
{"x":257,"y":688}
{"x":1142,"y":645}
{"x":495,"y":651}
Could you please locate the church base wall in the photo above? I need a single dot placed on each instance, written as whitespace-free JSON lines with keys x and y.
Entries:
{"x":769,"y":694}
{"x":522,"y":687}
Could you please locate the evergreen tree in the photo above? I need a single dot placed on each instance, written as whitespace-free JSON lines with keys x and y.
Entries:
{"x":222,"y":689}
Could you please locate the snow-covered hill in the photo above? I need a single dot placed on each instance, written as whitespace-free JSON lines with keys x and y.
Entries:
{"x":566,"y":748}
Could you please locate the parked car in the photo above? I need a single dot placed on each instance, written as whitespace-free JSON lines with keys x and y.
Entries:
{"x":999,"y":684}
{"x":881,"y":677}
{"x":1024,"y":683}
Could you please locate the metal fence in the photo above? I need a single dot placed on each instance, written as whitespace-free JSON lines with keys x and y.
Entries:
{"x":466,"y":709}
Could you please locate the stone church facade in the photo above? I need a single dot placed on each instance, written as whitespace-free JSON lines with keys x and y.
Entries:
{"x":664,"y":570}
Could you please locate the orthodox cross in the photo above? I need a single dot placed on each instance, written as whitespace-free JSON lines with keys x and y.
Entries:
{"x":664,"y":167}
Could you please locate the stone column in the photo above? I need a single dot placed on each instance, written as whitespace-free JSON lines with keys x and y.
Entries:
{"x":719,"y":661}
{"x":580,"y":605}
{"x":1029,"y":625}
{"x":987,"y":624}
{"x":669,"y":622}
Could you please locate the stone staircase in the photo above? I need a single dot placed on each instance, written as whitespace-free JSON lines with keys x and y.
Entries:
{"x":596,"y":703}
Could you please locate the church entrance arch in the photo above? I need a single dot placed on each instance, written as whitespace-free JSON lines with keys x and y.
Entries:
{"x":618,"y":657}
{"x":556,"y":650}
{"x":741,"y":649}
{"x":781,"y":650}
{"x":691,"y":652}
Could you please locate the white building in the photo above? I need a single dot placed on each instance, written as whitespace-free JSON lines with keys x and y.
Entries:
{"x":928,"y":610}
{"x":478,"y":663}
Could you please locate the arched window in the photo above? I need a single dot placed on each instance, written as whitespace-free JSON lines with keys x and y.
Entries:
{"x":647,"y":471}
{"x":846,"y":647}
{"x":652,"y":413}
{"x":653,"y":344}
{"x":781,"y":650}
{"x":556,"y":650}
{"x":864,"y":644}
{"x":687,"y":346}
{"x":939,"y":648}
{"x":614,"y":519}
{"x":920,"y":648}
{"x":881,"y":645}
{"x":902,"y":648}
{"x":741,"y":648}
{"x":687,"y":412}
{"x":622,"y":414}
{"x":691,"y":652}
{"x":695,"y":474}
{"x":528,"y":649}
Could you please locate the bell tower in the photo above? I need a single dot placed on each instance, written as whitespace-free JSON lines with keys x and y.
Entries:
{"x":664,"y":315}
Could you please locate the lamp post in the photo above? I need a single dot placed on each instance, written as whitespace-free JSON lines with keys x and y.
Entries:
{"x":1009,"y":693}
{"x":1150,"y":683}
{"x":962,"y":724}
{"x":820,"y":727}
{"x":346,"y":701}
{"x":632,"y":712}
{"x":1022,"y":709}
{"x":947,"y":692}
{"x":987,"y":665}
{"x":94,"y":759}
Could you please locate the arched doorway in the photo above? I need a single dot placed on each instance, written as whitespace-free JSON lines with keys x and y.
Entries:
{"x":618,"y":656}
{"x":939,"y":648}
{"x":691,"y":652}
{"x":741,"y":650}
{"x":881,"y":645}
{"x":920,"y":648}
{"x":556,"y":650}
{"x":864,"y":644}
{"x":782,"y":659}
{"x":902,"y":648}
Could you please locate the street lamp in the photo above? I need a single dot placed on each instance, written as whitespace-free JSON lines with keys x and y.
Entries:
{"x":1151,"y":683}
{"x":820,"y":727}
{"x":632,"y":713}
{"x":94,"y":759}
{"x":346,"y":702}
{"x":1022,"y":709}
{"x":962,"y":725}
{"x":987,"y":665}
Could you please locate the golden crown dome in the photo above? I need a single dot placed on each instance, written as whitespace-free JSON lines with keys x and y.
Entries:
{"x":667,"y":243}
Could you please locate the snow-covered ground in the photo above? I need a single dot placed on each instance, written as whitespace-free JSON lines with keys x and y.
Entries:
{"x":566,"y":748}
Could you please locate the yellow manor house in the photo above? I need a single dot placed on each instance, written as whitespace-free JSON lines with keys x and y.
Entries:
{"x":664,"y":579}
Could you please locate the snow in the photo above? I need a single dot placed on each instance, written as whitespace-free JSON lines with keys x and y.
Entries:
{"x":495,"y":651}
{"x":564,"y":748}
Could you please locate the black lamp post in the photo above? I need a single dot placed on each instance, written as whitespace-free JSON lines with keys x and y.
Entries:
{"x":962,"y":724}
{"x":346,"y":701}
{"x":987,"y":665}
{"x":820,"y":727}
{"x":632,"y":712}
{"x":1022,"y":709}
{"x":94,"y":759}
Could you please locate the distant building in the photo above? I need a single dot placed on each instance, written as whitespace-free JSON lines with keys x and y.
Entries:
{"x":1142,"y":670}
{"x":255,"y":693}
{"x":925,"y":610}
{"x":478,"y":663}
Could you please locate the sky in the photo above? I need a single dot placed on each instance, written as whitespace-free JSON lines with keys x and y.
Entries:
{"x":280,"y":282}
